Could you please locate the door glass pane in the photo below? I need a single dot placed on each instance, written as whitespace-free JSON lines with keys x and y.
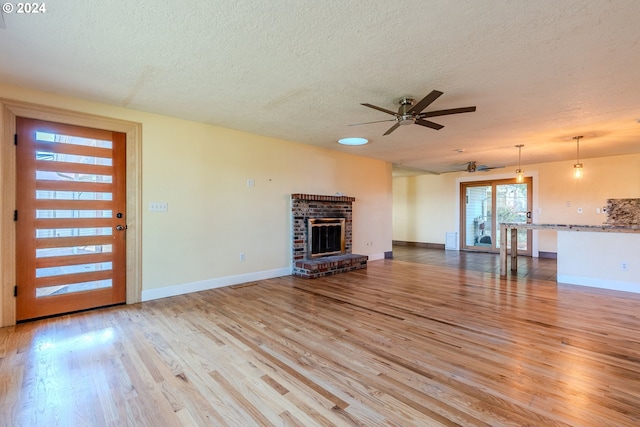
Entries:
{"x":62,"y":213}
{"x":44,"y":233}
{"x":68,"y":139}
{"x":75,"y":177}
{"x":512,"y":206}
{"x":73,"y":250}
{"x":478,"y":216}
{"x":72,"y":269}
{"x":73,"y":158}
{"x":71,"y":195}
{"x":75,"y":287}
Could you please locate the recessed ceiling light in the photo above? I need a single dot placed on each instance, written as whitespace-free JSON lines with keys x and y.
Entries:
{"x":353,"y":141}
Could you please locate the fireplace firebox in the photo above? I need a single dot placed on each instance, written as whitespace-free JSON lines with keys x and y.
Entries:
{"x":326,"y":237}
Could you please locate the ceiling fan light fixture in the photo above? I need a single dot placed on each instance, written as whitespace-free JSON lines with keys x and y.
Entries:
{"x":519,"y":171}
{"x":353,"y":141}
{"x":577,"y":166}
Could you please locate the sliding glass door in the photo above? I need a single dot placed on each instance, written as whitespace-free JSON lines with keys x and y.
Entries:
{"x":486,"y":204}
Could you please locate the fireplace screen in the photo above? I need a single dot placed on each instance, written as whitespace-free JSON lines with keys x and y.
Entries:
{"x":326,"y":236}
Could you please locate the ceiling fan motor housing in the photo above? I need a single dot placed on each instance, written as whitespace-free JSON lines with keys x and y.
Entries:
{"x":405,"y":118}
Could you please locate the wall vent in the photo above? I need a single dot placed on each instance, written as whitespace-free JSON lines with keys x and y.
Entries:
{"x":451,"y":241}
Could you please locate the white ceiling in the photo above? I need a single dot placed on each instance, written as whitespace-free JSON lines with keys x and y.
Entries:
{"x":539,"y":72}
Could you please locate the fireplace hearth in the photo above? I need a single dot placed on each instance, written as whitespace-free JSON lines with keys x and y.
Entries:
{"x":322,"y":236}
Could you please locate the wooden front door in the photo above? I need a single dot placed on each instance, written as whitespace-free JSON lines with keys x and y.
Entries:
{"x":71,"y":218}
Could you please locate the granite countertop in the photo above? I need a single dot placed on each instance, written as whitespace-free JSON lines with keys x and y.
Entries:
{"x":623,"y":216}
{"x":623,"y":228}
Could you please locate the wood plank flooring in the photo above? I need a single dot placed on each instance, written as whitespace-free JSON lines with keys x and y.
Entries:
{"x":529,"y":267}
{"x":399,"y":344}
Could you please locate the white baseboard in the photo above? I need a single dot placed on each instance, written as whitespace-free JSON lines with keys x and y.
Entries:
{"x":376,"y":257}
{"x":614,"y":285}
{"x":186,"y":288}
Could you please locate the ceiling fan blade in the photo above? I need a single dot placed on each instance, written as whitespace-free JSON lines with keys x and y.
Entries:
{"x":384,"y":110}
{"x":377,"y":121}
{"x":392,"y":128}
{"x":428,"y":124}
{"x":446,"y":112}
{"x":488,"y":168}
{"x":425,"y":102}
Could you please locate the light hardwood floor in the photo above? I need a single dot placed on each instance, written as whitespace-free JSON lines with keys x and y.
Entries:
{"x":400,"y":343}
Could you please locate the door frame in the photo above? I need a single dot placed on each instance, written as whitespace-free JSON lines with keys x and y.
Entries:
{"x":11,"y":109}
{"x":495,"y":227}
{"x":484,"y":177}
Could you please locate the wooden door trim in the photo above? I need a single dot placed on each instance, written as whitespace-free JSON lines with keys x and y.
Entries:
{"x":12,"y":109}
{"x":493,"y":182}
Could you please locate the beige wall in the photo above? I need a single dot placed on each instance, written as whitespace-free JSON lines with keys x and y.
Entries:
{"x":425,"y":207}
{"x":201,"y":171}
{"x":582,"y":260}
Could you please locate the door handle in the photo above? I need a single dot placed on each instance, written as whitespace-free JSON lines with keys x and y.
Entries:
{"x":120,"y":227}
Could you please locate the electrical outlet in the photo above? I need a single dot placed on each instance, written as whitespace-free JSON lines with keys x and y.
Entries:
{"x":158,"y":207}
{"x":251,"y":183}
{"x":624,"y":266}
{"x":241,"y":256}
{"x":579,"y":210}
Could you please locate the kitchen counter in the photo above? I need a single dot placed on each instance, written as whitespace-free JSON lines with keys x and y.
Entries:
{"x":611,"y":228}
{"x":604,"y":256}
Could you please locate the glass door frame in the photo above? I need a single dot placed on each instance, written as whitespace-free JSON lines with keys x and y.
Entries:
{"x":495,"y":227}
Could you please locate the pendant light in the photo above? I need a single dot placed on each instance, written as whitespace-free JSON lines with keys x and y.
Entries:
{"x":519,"y":171}
{"x":577,"y":167}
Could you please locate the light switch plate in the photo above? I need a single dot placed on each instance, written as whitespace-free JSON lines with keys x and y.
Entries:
{"x":158,"y":207}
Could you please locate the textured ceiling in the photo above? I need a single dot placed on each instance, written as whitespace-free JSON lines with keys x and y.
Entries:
{"x":539,"y":72}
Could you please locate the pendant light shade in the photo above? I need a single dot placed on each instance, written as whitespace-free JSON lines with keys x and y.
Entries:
{"x":577,"y":166}
{"x":519,"y":171}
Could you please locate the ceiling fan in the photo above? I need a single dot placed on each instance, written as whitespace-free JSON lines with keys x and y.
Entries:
{"x":474,"y":167}
{"x":411,"y":113}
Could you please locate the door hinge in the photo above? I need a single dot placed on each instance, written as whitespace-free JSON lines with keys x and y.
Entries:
{"x":15,"y":139}
{"x":15,"y":215}
{"x":15,"y":291}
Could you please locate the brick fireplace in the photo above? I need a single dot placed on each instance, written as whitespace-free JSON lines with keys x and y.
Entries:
{"x":333,"y":216}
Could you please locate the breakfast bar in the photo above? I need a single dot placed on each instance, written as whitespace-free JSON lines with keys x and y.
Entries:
{"x":606,"y":256}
